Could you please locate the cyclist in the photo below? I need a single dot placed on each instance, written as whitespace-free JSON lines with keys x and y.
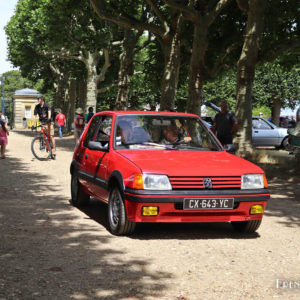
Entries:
{"x":43,"y":110}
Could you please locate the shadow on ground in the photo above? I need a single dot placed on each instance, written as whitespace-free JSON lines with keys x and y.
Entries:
{"x":283,"y":174}
{"x":47,"y":253}
{"x":66,"y":143}
{"x":97,"y":211}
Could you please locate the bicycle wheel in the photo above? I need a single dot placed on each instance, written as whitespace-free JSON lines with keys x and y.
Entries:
{"x":41,"y":148}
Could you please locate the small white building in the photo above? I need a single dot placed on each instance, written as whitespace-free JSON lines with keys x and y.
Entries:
{"x":25,"y":101}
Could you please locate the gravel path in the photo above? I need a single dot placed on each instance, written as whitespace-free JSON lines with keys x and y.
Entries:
{"x":51,"y":250}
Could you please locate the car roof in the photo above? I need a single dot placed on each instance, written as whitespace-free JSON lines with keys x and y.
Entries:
{"x":135,"y":112}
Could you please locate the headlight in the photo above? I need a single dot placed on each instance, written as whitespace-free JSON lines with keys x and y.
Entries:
{"x":252,"y":181}
{"x":156,"y":182}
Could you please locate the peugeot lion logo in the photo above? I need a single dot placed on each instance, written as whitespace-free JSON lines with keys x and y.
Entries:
{"x":207,"y":183}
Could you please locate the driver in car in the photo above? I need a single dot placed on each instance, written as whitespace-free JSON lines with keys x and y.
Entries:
{"x":172,"y":135}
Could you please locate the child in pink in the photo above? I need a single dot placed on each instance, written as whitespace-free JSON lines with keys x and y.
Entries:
{"x":3,"y":138}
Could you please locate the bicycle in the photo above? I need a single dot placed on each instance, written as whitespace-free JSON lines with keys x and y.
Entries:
{"x":41,"y":146}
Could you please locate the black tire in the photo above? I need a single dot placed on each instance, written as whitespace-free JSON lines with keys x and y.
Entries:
{"x":285,"y":145}
{"x":117,"y":216}
{"x":78,"y":197}
{"x":246,"y":226}
{"x":41,"y":148}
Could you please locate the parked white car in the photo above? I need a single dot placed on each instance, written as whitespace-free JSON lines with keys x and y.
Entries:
{"x":265,"y":133}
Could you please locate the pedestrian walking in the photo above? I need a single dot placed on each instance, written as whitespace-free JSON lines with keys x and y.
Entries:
{"x":78,"y":124}
{"x":3,"y":137}
{"x":225,"y":124}
{"x":61,"y":122}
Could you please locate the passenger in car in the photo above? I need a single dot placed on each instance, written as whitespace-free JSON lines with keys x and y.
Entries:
{"x":124,"y":130}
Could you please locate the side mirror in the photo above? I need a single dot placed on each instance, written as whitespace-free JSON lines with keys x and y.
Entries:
{"x":97,"y":146}
{"x":230,"y":148}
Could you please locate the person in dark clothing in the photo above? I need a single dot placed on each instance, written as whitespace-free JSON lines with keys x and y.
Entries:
{"x":43,"y":110}
{"x":89,"y":115}
{"x":225,"y":124}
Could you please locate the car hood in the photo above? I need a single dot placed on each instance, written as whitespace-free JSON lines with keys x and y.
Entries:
{"x":190,"y":163}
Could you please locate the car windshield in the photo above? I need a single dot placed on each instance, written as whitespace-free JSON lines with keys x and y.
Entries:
{"x":163,"y":132}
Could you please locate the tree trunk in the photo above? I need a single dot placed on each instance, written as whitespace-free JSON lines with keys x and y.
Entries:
{"x":196,"y":71}
{"x":70,"y":103}
{"x":126,"y":67}
{"x":60,"y":86}
{"x":171,"y":49}
{"x":245,"y":76}
{"x":82,"y":92}
{"x":276,"y":111}
{"x":92,"y":79}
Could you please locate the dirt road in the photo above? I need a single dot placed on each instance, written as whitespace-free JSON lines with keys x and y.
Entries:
{"x":51,"y":250}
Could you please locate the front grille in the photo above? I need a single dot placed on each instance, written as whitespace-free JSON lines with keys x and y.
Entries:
{"x":192,"y":183}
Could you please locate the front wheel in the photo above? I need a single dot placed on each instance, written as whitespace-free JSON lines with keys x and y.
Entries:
{"x":117,"y":216}
{"x":41,"y":148}
{"x":246,"y":226}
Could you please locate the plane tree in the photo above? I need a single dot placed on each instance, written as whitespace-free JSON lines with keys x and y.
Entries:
{"x":277,"y":87}
{"x":51,"y":31}
{"x":158,"y":19}
{"x":272,"y":29}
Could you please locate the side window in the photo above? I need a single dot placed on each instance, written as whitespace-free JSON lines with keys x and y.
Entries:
{"x":91,"y":131}
{"x":264,"y":125}
{"x":104,"y":129}
{"x":260,"y":124}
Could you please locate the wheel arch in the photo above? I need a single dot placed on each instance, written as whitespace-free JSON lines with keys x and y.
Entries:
{"x":116,"y":180}
{"x":286,"y":138}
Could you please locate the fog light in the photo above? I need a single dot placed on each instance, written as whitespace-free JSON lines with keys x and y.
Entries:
{"x":150,"y":211}
{"x":256,"y":209}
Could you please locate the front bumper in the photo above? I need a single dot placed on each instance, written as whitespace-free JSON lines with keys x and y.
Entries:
{"x":170,"y":205}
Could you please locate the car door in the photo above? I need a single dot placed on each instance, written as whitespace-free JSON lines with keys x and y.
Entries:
{"x":263,"y":134}
{"x":94,"y":161}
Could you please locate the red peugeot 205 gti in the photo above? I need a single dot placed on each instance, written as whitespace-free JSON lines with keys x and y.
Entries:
{"x":164,"y":167}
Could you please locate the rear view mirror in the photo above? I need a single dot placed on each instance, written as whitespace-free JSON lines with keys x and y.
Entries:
{"x":97,"y":146}
{"x":231,"y":148}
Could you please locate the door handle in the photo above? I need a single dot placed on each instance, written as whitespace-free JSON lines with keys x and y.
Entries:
{"x":86,"y":156}
{"x":255,"y":131}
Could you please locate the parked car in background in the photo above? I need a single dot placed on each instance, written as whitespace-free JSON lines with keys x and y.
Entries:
{"x":132,"y":162}
{"x":264,"y":132}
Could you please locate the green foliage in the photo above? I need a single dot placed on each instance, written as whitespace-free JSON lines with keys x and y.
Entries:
{"x":14,"y":81}
{"x":222,"y":88}
{"x":265,"y":110}
{"x":41,"y":26}
{"x":273,"y":81}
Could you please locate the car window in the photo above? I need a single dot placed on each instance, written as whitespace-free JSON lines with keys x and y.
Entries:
{"x":91,"y":130}
{"x":163,"y":132}
{"x":104,"y":128}
{"x":99,"y":130}
{"x":260,"y":124}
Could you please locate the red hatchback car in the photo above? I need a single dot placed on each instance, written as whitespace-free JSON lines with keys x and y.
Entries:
{"x":164,"y":167}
